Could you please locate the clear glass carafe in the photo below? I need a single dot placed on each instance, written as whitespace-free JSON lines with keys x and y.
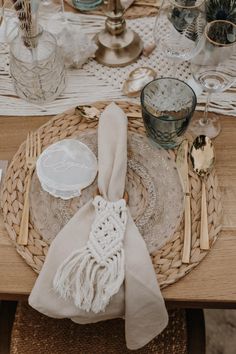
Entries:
{"x":37,"y":67}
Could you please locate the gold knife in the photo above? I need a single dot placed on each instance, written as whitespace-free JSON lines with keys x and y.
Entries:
{"x":3,"y":168}
{"x":182,"y":166}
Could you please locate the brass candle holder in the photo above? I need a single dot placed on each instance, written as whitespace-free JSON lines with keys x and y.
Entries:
{"x":117,"y":45}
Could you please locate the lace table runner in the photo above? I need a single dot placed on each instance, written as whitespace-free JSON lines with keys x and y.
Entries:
{"x":96,"y":82}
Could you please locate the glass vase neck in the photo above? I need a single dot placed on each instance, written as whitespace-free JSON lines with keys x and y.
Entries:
{"x":31,"y":38}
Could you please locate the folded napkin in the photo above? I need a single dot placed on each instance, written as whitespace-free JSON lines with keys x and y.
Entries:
{"x":138,"y":298}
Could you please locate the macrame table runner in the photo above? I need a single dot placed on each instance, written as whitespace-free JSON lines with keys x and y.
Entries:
{"x":95,"y":82}
{"x":167,"y":260}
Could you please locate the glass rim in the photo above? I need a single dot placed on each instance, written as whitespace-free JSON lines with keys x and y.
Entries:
{"x":39,"y":29}
{"x":33,"y":37}
{"x":167,"y":78}
{"x":173,"y":2}
{"x":214,"y":42}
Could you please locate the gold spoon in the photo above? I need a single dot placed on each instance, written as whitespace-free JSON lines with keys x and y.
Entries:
{"x":202,"y":156}
{"x":88,"y":112}
{"x":92,"y":113}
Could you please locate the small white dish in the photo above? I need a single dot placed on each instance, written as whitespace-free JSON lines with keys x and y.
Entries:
{"x":66,"y":167}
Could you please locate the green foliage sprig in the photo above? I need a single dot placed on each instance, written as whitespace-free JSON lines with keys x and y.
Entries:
{"x":221,"y":10}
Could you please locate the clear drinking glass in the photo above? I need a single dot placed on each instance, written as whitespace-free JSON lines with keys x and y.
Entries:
{"x":37,"y":67}
{"x":214,"y":68}
{"x":167,"y":107}
{"x":179,"y":27}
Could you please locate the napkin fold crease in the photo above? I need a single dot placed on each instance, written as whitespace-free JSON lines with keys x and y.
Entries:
{"x":137,"y":299}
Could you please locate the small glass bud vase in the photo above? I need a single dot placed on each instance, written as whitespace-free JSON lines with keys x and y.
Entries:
{"x":37,"y":67}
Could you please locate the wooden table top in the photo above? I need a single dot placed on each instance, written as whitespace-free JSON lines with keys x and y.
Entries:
{"x":211,"y":284}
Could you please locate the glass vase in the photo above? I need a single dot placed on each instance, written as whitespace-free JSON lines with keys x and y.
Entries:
{"x":37,"y":67}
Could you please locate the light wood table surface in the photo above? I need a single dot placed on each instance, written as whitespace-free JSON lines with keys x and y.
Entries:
{"x":211,"y":284}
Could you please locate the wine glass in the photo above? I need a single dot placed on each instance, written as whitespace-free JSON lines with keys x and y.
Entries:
{"x":51,"y":7}
{"x":214,"y":68}
{"x":179,"y":28}
{"x":52,"y":15}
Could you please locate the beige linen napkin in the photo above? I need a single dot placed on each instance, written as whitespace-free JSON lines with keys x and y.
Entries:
{"x":139,"y":299}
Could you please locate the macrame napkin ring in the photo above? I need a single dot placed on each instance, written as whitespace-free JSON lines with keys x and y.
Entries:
{"x":94,"y":273}
{"x":125,"y":196}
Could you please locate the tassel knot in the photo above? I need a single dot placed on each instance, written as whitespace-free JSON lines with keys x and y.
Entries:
{"x":93,"y":274}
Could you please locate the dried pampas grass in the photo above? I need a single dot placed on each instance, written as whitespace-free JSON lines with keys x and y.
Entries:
{"x":26,"y":11}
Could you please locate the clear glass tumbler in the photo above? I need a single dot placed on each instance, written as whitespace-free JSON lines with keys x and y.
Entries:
{"x":37,"y":67}
{"x":167,"y":107}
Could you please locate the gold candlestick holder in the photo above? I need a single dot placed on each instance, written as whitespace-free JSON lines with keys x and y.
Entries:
{"x":117,"y":45}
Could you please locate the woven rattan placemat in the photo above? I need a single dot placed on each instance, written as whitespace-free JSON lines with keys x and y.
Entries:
{"x":167,"y":261}
{"x":155,"y":203}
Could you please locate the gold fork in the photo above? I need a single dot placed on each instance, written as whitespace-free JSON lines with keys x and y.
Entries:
{"x":32,"y":151}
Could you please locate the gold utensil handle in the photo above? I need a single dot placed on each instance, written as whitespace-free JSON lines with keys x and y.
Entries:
{"x":187,"y":230}
{"x":204,"y":236}
{"x":24,"y":225}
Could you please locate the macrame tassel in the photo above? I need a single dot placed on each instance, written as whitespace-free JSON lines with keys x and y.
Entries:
{"x":93,"y":274}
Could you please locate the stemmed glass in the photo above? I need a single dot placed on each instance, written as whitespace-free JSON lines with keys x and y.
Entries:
{"x":52,"y":6}
{"x":179,"y":28}
{"x":51,"y":13}
{"x":214,"y":68}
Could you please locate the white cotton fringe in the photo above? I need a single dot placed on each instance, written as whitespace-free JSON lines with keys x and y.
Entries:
{"x":94,"y":273}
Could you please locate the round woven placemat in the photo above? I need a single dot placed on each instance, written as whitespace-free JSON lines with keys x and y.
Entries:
{"x":167,"y":261}
{"x":156,"y":204}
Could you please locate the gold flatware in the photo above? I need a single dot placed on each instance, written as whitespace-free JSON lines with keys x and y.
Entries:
{"x":88,"y":112}
{"x":32,"y":151}
{"x":182,"y":167}
{"x":92,"y":113}
{"x":3,"y":168}
{"x":202,"y":155}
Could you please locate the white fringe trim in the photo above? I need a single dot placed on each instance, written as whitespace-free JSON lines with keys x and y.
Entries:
{"x":94,"y":273}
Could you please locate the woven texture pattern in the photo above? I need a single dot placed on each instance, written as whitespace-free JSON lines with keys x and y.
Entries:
{"x":34,"y":333}
{"x":167,"y":261}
